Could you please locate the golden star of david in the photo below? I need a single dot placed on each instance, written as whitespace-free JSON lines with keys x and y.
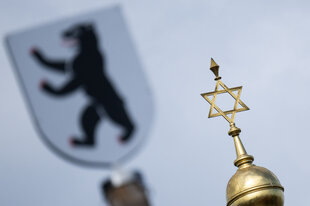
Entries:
{"x":219,"y":83}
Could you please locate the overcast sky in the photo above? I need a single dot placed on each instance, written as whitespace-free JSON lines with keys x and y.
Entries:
{"x":188,"y":160}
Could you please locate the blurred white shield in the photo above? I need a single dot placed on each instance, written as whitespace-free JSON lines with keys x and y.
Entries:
{"x":85,"y":86}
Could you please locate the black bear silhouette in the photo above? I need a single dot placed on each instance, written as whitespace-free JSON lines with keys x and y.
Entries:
{"x":88,"y":72}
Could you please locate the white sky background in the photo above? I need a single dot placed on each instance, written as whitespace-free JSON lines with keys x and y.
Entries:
{"x":262,"y":45}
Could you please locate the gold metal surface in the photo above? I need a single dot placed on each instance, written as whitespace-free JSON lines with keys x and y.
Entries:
{"x":254,"y":186}
{"x":251,"y":185}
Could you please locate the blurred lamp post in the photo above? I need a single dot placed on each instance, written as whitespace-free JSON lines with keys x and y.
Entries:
{"x":125,"y":189}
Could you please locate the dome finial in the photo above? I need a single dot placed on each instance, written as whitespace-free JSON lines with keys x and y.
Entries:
{"x":220,"y":89}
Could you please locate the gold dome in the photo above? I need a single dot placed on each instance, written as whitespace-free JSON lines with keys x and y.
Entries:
{"x":254,"y":186}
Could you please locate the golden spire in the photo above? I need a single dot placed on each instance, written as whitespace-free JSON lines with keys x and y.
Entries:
{"x":251,"y":185}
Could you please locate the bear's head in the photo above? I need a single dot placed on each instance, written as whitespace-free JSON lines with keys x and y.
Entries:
{"x":83,"y":35}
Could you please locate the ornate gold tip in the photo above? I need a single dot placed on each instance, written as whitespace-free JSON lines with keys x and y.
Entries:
{"x":214,"y":67}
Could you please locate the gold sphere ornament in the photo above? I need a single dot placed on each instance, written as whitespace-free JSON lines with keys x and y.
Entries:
{"x":251,"y":185}
{"x":254,"y":186}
